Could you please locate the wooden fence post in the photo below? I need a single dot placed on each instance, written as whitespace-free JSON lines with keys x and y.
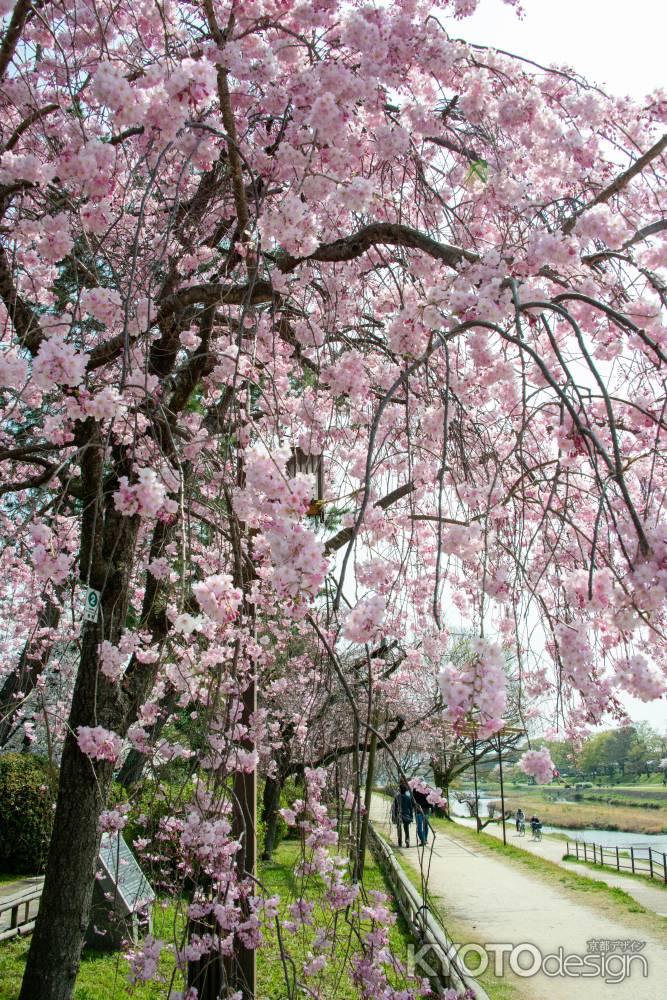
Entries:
{"x":632,"y":859}
{"x":618,"y":861}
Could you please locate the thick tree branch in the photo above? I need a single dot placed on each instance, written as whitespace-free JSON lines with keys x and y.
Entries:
{"x":383,"y":234}
{"x":216,"y":294}
{"x":344,"y":536}
{"x":297,"y":767}
{"x":619,"y":182}
{"x":13,"y":33}
{"x":22,"y":316}
{"x":465,"y":151}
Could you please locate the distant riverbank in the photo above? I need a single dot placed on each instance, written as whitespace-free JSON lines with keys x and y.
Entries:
{"x":589,"y":815}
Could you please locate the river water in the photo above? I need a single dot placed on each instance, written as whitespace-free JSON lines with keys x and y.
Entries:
{"x":606,"y":838}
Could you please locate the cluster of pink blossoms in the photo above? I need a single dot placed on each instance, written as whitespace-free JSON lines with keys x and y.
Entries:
{"x":276,"y":504}
{"x":433,"y":795}
{"x":191,"y":84}
{"x":114,"y":820}
{"x":144,"y":963}
{"x":218,"y":597}
{"x":296,"y":554}
{"x":539,"y":765}
{"x":209,"y":841}
{"x":99,"y":743}
{"x":112,"y":660}
{"x":147,"y":497}
{"x":49,"y":563}
{"x":13,"y":369}
{"x":56,"y":237}
{"x":364,"y":621}
{"x":104,"y":304}
{"x":58,"y":363}
{"x":636,"y":676}
{"x":476,"y":690}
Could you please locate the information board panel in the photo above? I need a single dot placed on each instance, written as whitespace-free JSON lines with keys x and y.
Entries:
{"x":132,"y":887}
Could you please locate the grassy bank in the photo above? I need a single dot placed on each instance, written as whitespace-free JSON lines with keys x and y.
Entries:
{"x":587,"y":815}
{"x":101,"y":976}
{"x":104,"y":976}
{"x":655,"y":882}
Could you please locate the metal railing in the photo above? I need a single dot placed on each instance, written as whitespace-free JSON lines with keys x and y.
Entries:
{"x":639,"y":860}
{"x":22,"y":908}
{"x":437,"y":952}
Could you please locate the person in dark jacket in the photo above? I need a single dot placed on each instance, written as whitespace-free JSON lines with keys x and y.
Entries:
{"x":402,"y":813}
{"x":423,"y":809}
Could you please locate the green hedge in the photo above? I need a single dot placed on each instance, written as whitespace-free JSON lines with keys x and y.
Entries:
{"x":27,"y":789}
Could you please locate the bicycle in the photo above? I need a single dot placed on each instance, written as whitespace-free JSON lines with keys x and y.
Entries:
{"x":521,"y":828}
{"x":537,"y":832}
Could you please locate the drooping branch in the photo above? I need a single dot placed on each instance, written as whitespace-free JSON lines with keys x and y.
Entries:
{"x":30,"y":665}
{"x":24,"y":319}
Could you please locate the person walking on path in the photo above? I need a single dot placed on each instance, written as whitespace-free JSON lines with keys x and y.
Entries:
{"x":402,"y":813}
{"x":422,"y":809}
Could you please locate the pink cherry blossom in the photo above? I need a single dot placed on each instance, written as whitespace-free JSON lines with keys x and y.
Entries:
{"x":58,"y":363}
{"x":363,"y":622}
{"x":99,"y":743}
{"x":147,"y":497}
{"x":218,"y":597}
{"x":539,"y":765}
{"x":13,"y":369}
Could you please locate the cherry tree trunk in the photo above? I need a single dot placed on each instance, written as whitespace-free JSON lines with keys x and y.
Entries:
{"x":24,"y":678}
{"x":270,"y":803}
{"x":245,"y":829}
{"x":56,"y":944}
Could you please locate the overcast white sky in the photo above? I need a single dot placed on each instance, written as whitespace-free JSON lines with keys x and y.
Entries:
{"x":615,"y":43}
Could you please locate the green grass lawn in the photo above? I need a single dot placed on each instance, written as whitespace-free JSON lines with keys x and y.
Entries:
{"x":279,"y":877}
{"x":104,"y":976}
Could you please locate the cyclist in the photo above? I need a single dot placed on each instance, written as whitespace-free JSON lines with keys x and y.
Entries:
{"x":536,"y":827}
{"x":520,"y":820}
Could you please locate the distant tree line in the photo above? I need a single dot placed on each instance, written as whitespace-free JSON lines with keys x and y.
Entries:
{"x":623,"y":754}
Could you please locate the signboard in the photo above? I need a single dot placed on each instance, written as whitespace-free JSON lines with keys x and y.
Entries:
{"x":91,"y":610}
{"x":118,"y":863}
{"x":122,"y":897}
